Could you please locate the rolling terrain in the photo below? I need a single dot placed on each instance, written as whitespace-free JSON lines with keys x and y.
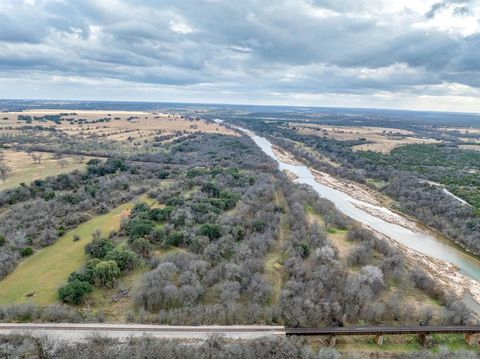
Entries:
{"x":172,"y":218}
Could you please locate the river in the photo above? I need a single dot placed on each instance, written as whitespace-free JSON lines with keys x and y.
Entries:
{"x":418,"y":240}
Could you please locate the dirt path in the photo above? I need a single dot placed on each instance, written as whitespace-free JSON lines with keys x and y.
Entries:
{"x":273,"y":260}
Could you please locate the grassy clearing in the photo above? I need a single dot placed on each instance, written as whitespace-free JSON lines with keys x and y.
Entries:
{"x":273,"y":260}
{"x":366,"y":344}
{"x":24,"y":170}
{"x":376,"y":183}
{"x":47,"y":269}
{"x":379,"y":139}
{"x":338,"y":237}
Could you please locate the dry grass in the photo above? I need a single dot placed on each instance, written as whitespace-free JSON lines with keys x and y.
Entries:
{"x":130,"y":129}
{"x":349,"y":132}
{"x":24,"y":170}
{"x":386,"y":145}
{"x":469,"y":139}
{"x":383,"y":139}
{"x":141,"y":121}
{"x":464,"y":130}
{"x":116,"y":311}
{"x":337,"y":237}
{"x":273,"y":260}
{"x":470,"y":147}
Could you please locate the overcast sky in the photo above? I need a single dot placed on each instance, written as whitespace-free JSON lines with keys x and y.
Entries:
{"x":379,"y":53}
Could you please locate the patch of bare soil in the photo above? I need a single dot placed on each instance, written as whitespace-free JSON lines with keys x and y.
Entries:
{"x":285,"y":156}
{"x":290,"y":175}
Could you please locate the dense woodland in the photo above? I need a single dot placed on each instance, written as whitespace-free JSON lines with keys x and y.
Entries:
{"x":219,"y":205}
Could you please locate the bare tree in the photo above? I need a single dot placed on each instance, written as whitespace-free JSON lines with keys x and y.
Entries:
{"x":62,"y":162}
{"x":80,"y":158}
{"x":37,"y":157}
{"x":57,"y":155}
{"x":5,"y":171}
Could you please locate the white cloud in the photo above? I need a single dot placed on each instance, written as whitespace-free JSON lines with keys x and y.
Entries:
{"x":180,"y":27}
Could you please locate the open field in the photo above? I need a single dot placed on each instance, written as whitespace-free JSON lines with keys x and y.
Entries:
{"x":470,"y":147}
{"x":463,"y":130}
{"x":123,"y":130}
{"x":40,"y":275}
{"x":116,"y":120}
{"x":25,"y":170}
{"x":383,"y":139}
{"x":469,"y":140}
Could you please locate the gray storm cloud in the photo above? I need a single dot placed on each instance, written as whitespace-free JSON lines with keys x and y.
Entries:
{"x":239,"y":47}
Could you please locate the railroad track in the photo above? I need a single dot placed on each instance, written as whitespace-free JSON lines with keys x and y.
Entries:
{"x":82,"y":331}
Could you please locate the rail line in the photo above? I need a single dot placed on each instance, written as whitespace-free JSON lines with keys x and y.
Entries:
{"x":75,"y":331}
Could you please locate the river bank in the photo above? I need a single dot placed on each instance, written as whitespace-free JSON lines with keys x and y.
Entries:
{"x":285,"y":156}
{"x":453,"y":269}
{"x":368,"y":199}
{"x":445,"y":273}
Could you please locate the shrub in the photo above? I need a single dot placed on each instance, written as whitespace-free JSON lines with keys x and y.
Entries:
{"x":60,"y":313}
{"x":211,"y":189}
{"x":138,"y":228}
{"x":160,"y":214}
{"x":174,"y":239}
{"x":98,"y":248}
{"x":212,"y":231}
{"x":27,"y":251}
{"x":126,"y":260}
{"x":105,"y":274}
{"x":259,"y":225}
{"x":142,"y":247}
{"x":74,"y":292}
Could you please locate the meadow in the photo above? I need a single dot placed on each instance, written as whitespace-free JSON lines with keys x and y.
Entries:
{"x":38,"y":277}
{"x":24,"y":170}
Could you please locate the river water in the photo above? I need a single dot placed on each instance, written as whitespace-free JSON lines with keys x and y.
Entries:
{"x":418,"y":240}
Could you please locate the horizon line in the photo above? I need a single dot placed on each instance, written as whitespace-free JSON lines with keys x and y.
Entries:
{"x":246,"y":104}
